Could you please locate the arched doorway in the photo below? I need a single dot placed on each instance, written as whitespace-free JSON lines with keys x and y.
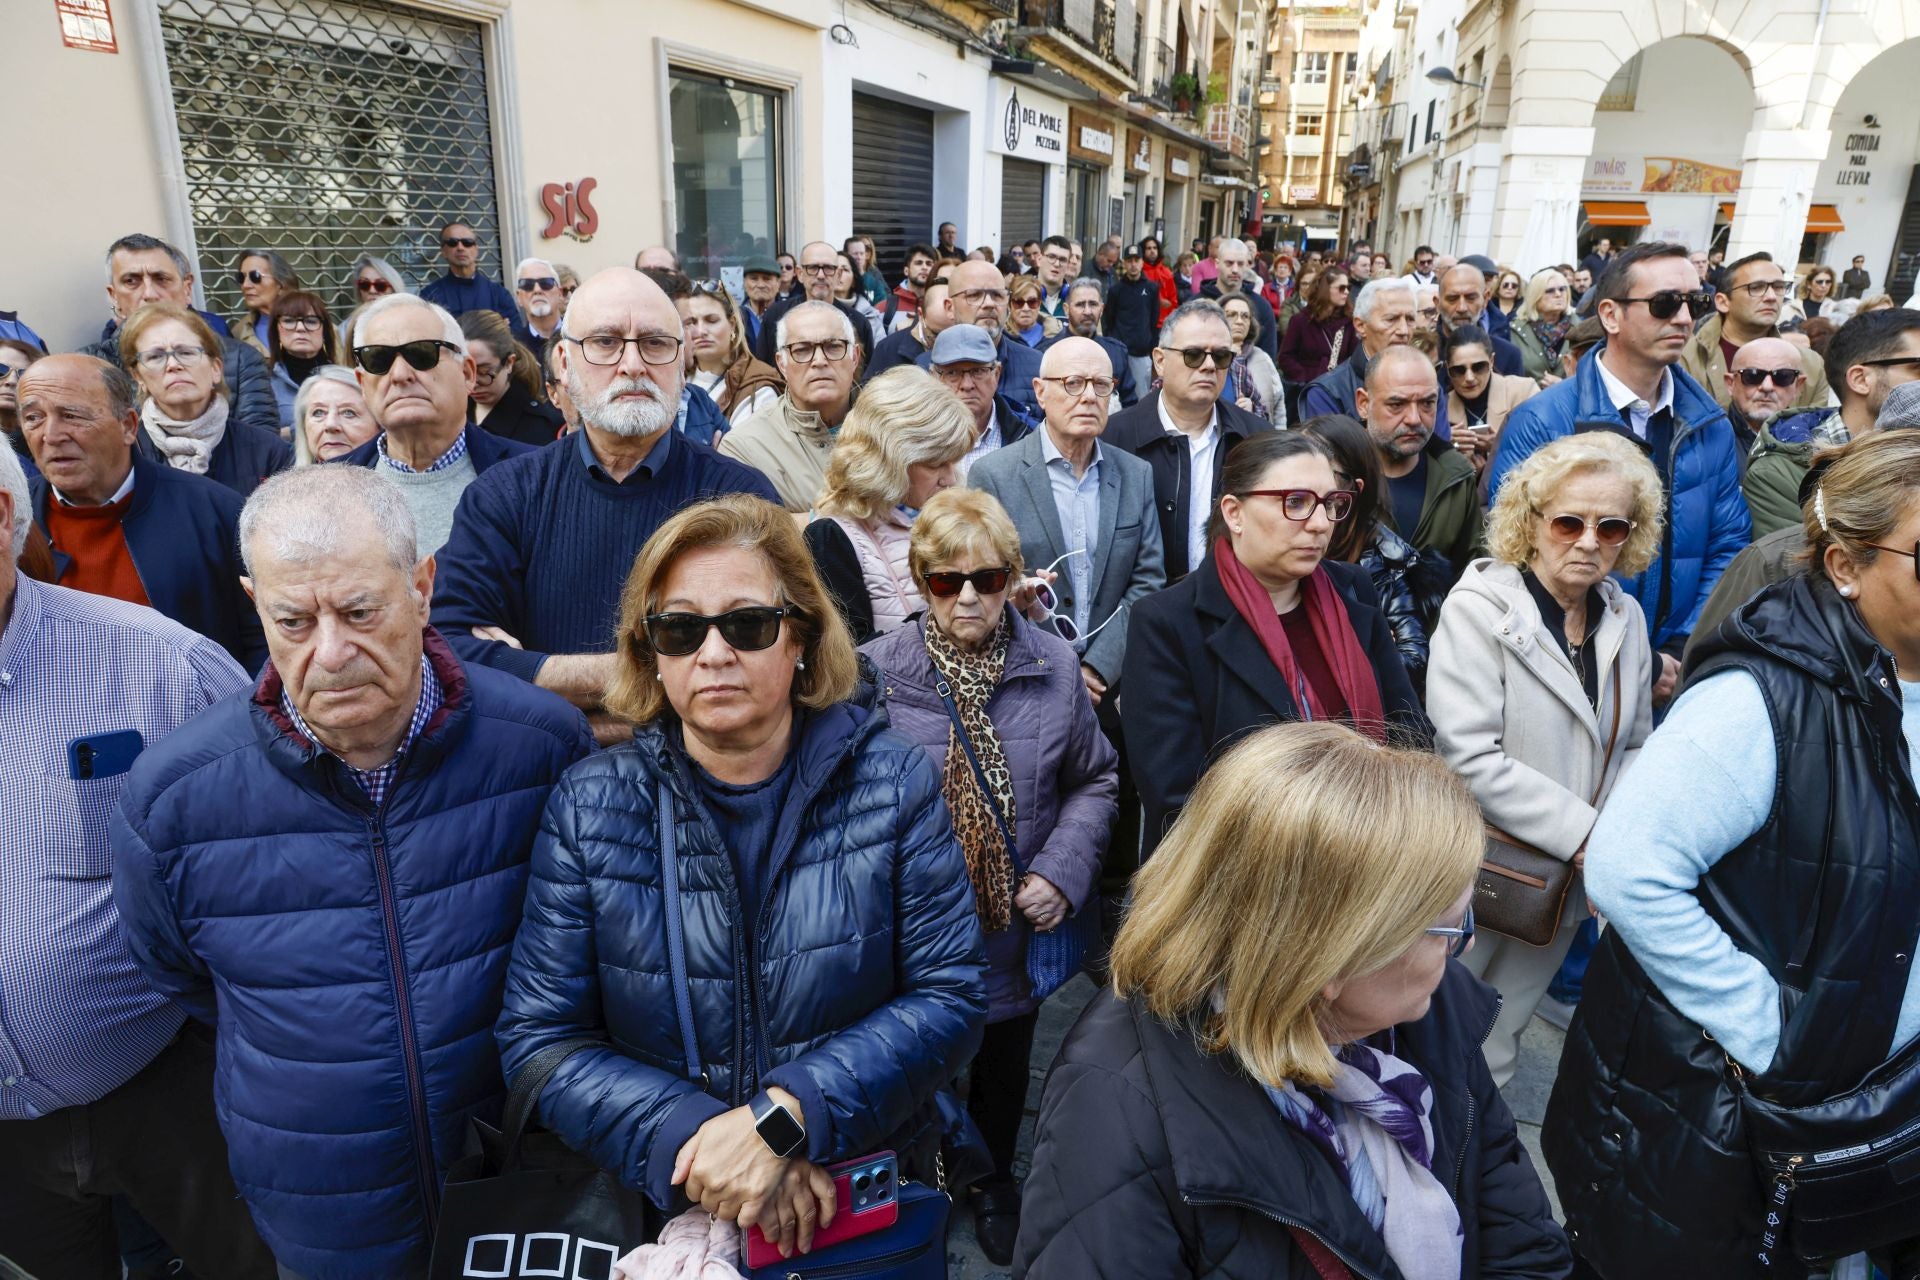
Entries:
{"x":1866,"y":200}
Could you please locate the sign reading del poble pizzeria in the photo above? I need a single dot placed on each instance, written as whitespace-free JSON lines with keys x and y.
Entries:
{"x":1028,"y":124}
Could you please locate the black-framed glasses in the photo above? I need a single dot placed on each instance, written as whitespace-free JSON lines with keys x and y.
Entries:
{"x":1608,"y":531}
{"x":1761,"y":288}
{"x":186,"y":357}
{"x":1461,"y":934}
{"x":458,"y":242}
{"x":253,"y":276}
{"x":1781,"y":377}
{"x":1914,"y":555}
{"x":819,"y":268}
{"x":1476,"y":369}
{"x":751,"y":629}
{"x":542,"y":284}
{"x":608,"y":348}
{"x":804,"y":352}
{"x":1666,"y":304}
{"x":1299,"y":504}
{"x":1076,"y":384}
{"x":1192,"y":356}
{"x":1890,"y":362}
{"x":375,"y":285}
{"x":947,"y":583}
{"x":423,"y":354}
{"x":300,"y":324}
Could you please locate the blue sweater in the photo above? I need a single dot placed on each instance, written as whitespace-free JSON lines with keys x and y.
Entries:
{"x":542,"y":545}
{"x":1703,"y":784}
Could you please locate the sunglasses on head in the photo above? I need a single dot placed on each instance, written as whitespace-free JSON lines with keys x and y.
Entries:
{"x":422,"y":355}
{"x":751,"y":629}
{"x":1192,"y":356}
{"x":1781,"y":377}
{"x":458,"y":242}
{"x":1666,"y":304}
{"x":255,"y":276}
{"x":1608,"y":531}
{"x":528,"y":284}
{"x":947,"y":583}
{"x":375,"y":285}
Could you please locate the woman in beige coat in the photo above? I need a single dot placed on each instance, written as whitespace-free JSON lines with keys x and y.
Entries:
{"x":1536,"y":648}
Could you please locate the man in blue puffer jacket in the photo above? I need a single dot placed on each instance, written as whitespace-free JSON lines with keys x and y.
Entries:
{"x":1632,"y":385}
{"x":330,"y":868}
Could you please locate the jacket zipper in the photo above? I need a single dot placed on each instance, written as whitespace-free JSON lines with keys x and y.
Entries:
{"x":1473,"y":1112}
{"x":403,"y":1002}
{"x":1271,"y":1216}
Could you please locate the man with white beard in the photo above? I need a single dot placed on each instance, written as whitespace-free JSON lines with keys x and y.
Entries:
{"x":530,"y":579}
{"x":536,"y":287}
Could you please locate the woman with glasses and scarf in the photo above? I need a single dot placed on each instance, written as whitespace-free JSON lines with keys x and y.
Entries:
{"x":1266,"y":629}
{"x":718,"y":360}
{"x":1046,"y":782}
{"x":1284,"y":1079}
{"x":1541,"y":679}
{"x":176,"y":360}
{"x":262,"y":276}
{"x":830,"y":973}
{"x":1541,"y":325}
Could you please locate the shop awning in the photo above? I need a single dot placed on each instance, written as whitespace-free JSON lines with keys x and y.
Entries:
{"x":1618,"y":213}
{"x":1822,"y":219}
{"x":1726,"y":212}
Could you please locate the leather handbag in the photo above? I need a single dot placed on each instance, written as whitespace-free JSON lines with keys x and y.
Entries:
{"x":1522,"y":891}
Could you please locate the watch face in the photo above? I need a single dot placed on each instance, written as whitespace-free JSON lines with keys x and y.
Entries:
{"x":779,"y":1130}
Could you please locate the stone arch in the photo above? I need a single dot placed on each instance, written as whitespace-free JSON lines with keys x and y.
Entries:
{"x":1499,"y":95}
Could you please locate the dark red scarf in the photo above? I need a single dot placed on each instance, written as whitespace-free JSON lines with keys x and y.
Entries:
{"x":1332,"y":630}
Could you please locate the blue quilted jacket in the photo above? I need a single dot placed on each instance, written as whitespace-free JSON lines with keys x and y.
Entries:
{"x":350,"y":958}
{"x":860,"y":989}
{"x":1707,"y":521}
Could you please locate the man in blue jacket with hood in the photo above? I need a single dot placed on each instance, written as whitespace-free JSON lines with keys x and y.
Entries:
{"x":1632,"y":384}
{"x":330,"y":866}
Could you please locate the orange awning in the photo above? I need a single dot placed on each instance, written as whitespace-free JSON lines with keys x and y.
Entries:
{"x":1726,"y":212}
{"x":1822,"y":219}
{"x":1618,"y":213}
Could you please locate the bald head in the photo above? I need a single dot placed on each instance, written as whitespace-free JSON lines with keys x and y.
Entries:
{"x":1463,"y":295}
{"x":1075,"y":355}
{"x":1758,"y":403}
{"x":629,"y":397}
{"x":1071,"y":416}
{"x":978,"y":293}
{"x":1396,"y":363}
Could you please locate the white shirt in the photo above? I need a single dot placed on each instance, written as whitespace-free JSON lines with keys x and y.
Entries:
{"x":1200,"y":449}
{"x":1626,"y":398}
{"x":126,"y":487}
{"x":989,"y":441}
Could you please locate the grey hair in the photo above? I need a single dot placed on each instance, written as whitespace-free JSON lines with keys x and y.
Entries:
{"x":1374,"y":290}
{"x":1088,"y":282}
{"x":780,"y":328}
{"x":522,"y":266}
{"x":123,"y":397}
{"x":382,"y":268}
{"x":277,"y":266}
{"x":450,"y":330}
{"x":13,"y":479}
{"x":138,"y":243}
{"x":302,"y":453}
{"x":298,"y":515}
{"x":1205,"y":308}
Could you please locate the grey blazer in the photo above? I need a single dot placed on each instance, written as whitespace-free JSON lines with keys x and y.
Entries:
{"x":1128,"y":560}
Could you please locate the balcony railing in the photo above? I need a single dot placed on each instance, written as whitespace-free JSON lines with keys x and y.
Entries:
{"x":1230,"y":127}
{"x":1110,"y":29}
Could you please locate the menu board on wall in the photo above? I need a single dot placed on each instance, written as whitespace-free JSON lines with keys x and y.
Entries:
{"x":1662,"y":175}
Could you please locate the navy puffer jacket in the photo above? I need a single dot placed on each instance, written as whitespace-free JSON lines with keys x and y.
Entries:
{"x":351,"y":958}
{"x":860,"y":989}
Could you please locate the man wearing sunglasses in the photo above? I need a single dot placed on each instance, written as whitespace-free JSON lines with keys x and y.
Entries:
{"x":818,"y":262}
{"x":537,"y":289}
{"x":465,"y":287}
{"x":1753,"y":291}
{"x":1633,"y":385}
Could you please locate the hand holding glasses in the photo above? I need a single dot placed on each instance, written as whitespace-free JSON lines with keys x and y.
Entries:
{"x":1039,"y":588}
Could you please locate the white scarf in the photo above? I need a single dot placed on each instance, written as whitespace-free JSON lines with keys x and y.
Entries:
{"x":187,"y":446}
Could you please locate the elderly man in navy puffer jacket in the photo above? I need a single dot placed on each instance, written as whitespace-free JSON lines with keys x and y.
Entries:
{"x":330,"y":868}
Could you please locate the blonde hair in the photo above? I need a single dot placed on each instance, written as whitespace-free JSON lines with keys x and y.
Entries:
{"x":957,"y":521}
{"x":1866,"y":488}
{"x":1537,"y":288}
{"x":154,"y":313}
{"x":1308,"y":855}
{"x":902,"y":418}
{"x":751,"y":524}
{"x":1511,"y":524}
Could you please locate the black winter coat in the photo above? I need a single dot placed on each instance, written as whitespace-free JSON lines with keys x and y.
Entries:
{"x":1197,"y":680}
{"x":243,"y":459}
{"x":1152,"y":1158}
{"x":1138,"y":431}
{"x":518,"y":416}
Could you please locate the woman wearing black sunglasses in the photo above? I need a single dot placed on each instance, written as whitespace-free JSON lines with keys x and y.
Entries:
{"x":829,"y":973}
{"x":261,"y":276}
{"x":1047,"y":785}
{"x":1267,"y":629}
{"x":1478,"y":399}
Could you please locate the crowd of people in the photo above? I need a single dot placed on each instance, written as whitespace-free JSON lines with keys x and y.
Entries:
{"x":760,"y":695}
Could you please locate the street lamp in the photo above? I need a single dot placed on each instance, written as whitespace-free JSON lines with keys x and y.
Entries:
{"x":1446,"y":75}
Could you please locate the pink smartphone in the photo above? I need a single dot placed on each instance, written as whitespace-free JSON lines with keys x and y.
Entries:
{"x":867,"y":1199}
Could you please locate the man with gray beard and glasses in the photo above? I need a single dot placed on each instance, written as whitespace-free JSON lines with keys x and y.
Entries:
{"x":530,"y":579}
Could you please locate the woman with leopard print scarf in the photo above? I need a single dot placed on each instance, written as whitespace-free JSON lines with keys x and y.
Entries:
{"x":1051,"y":782}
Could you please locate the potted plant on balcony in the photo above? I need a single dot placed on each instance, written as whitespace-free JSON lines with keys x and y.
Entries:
{"x":1184,"y":89}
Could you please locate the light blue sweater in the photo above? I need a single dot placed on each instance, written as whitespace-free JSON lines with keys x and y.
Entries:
{"x":1703,"y":784}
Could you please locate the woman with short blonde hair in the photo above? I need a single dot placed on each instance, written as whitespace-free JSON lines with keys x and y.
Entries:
{"x":1027,"y":317}
{"x":180,"y":367}
{"x":1286,"y":1031}
{"x":1541,"y":324}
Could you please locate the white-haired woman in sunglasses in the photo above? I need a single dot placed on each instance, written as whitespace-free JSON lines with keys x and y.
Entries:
{"x":1540,"y":679}
{"x":1047,"y":779}
{"x":830,"y":973}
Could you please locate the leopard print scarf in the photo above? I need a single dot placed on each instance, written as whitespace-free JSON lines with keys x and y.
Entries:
{"x":973,"y":677}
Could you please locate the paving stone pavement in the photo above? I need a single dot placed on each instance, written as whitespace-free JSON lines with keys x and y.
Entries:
{"x":1526,"y":1094}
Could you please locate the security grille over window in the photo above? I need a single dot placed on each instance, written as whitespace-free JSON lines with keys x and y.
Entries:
{"x":326,"y":129}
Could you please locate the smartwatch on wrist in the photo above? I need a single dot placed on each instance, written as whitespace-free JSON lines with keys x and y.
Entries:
{"x":784,"y":1135}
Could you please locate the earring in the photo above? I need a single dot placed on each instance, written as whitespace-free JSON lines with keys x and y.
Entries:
{"x":658,"y":676}
{"x":800,"y":665}
{"x":1847,"y":592}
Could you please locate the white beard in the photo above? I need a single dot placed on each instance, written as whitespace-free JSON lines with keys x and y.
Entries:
{"x":634,"y":419}
{"x":539,"y":308}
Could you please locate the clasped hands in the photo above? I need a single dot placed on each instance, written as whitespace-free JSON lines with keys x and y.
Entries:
{"x":731,"y":1173}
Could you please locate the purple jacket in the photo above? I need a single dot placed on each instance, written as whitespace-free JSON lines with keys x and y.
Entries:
{"x":1066,"y":783}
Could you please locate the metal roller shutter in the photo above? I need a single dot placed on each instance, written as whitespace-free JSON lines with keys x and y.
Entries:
{"x":1023,"y":198}
{"x":892,"y":179}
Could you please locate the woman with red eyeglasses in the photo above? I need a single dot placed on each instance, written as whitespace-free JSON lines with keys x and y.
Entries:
{"x":1540,"y":679}
{"x":1266,"y":630}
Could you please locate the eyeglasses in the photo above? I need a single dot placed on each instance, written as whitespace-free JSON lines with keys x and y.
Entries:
{"x":675,"y":635}
{"x":819,"y":268}
{"x":1889,"y":362}
{"x":485,"y":373}
{"x":375,"y":285}
{"x":423,"y":355}
{"x":966,"y":374}
{"x":1024,"y":303}
{"x":1299,"y":504}
{"x":608,"y":348}
{"x":804,"y":352}
{"x":185,"y":357}
{"x":1192,"y":356}
{"x":1667,"y":304}
{"x":978,"y":296}
{"x":1062,"y":624}
{"x":255,"y":276}
{"x":1075,"y":385}
{"x":1608,"y":531}
{"x":1474,"y":370}
{"x":1760,"y":288}
{"x":458,"y":242}
{"x":1462,"y":935}
{"x":1913,"y":554}
{"x":537,"y":284}
{"x":947,"y":583}
{"x":300,"y":324}
{"x":1781,"y":377}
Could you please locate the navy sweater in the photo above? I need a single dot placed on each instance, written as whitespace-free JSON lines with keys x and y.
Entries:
{"x":542,"y":545}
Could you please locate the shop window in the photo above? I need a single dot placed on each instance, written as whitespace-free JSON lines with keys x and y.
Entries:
{"x":727,"y":148}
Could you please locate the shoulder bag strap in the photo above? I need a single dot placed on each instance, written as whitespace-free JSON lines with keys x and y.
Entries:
{"x":527,"y":1086}
{"x":979,"y":773}
{"x":676,"y":932}
{"x":1619,"y":696}
{"x":1325,"y":1263}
